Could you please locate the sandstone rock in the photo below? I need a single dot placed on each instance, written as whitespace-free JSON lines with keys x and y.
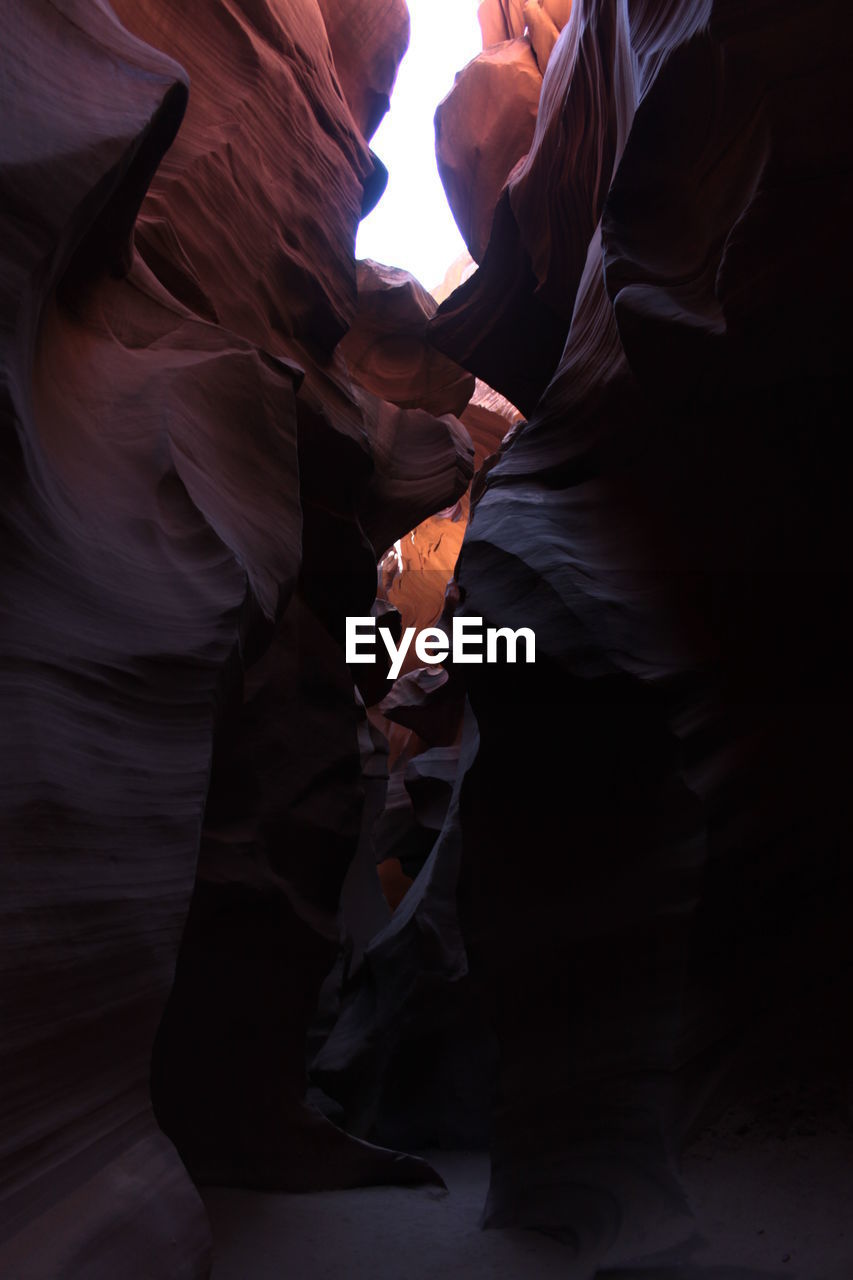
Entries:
{"x":631,"y":855}
{"x":545,"y":20}
{"x":119,"y":599}
{"x":421,"y":461}
{"x":482,"y":129}
{"x":670,"y":521}
{"x":284,"y":268}
{"x":509,"y":323}
{"x":187,"y":464}
{"x":459,"y":271}
{"x":386,"y":348}
{"x":424,"y":701}
{"x":368,"y":43}
{"x":403,"y":988}
{"x":501,"y":20}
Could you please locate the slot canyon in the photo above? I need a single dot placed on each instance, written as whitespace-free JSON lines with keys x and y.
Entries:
{"x":509,"y":968}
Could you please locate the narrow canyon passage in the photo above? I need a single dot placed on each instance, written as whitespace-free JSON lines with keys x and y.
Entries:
{"x":424,"y":681}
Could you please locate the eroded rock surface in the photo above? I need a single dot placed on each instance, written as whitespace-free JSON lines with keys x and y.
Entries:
{"x":501,"y":20}
{"x":482,"y":129}
{"x":367,"y":42}
{"x":658,"y":905}
{"x":176,"y":570}
{"x":386,"y":347}
{"x":631,"y":855}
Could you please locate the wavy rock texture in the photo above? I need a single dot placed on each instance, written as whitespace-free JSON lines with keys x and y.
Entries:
{"x":545,"y":20}
{"x":509,"y":322}
{"x":482,"y":129}
{"x":386,"y":349}
{"x":486,"y":124}
{"x":658,"y":906}
{"x":414,"y":573}
{"x":367,"y":43}
{"x":284,"y":268}
{"x":633,"y":855}
{"x":387,"y":354}
{"x":189,"y":476}
{"x":405,"y":1026}
{"x":501,"y":20}
{"x":410,"y":1024}
{"x":117,"y":617}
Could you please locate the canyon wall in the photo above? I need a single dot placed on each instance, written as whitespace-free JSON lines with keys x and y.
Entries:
{"x":613,"y":885}
{"x":195,"y":495}
{"x":655,"y":884}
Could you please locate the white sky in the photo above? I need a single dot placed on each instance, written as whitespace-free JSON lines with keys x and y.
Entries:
{"x":412,"y":225}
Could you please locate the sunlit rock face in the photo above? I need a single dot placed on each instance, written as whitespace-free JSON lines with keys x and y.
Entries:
{"x":510,"y":321}
{"x":482,"y":129}
{"x":485,"y":125}
{"x":545,"y":20}
{"x":541,"y":21}
{"x":190,"y":508}
{"x":655,"y":893}
{"x":367,"y":43}
{"x":501,"y":20}
{"x":279,"y":264}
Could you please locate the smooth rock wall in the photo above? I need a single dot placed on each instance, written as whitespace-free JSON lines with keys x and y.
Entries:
{"x":655,"y":882}
{"x":190,"y":483}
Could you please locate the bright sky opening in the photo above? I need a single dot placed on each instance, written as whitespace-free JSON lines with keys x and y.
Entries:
{"x":412,"y":226}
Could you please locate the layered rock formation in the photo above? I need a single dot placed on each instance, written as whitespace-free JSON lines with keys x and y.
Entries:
{"x":658,"y":906}
{"x":629,"y":859}
{"x":485,"y":125}
{"x":500,"y":89}
{"x":367,"y":43}
{"x":195,"y":495}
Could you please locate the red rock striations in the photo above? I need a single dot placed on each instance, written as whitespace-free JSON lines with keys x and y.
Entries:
{"x":191,"y":506}
{"x":629,"y":859}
